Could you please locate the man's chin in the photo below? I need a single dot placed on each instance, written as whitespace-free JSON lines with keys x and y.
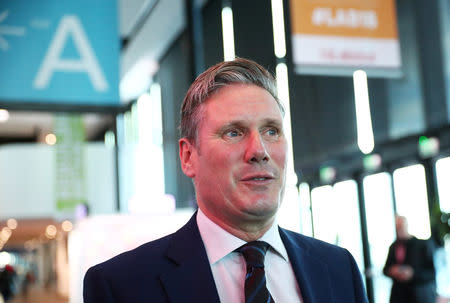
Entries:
{"x":263,"y":212}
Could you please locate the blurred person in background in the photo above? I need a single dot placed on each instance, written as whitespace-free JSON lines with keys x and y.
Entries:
{"x":410,"y":265}
{"x":234,"y":148}
{"x":7,"y":276}
{"x":27,"y":282}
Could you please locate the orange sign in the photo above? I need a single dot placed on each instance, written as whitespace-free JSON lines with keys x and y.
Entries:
{"x":346,"y":18}
{"x":345,"y":32}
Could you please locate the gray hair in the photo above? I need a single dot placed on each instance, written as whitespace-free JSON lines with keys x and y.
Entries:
{"x":238,"y":71}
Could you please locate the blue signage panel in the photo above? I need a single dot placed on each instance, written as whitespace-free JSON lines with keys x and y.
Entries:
{"x":59,"y":51}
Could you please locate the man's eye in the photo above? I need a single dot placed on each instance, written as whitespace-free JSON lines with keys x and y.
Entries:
{"x":272,"y":132}
{"x":233,"y":133}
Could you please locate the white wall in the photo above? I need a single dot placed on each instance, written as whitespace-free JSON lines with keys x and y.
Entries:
{"x":100,"y":178}
{"x":98,"y":238}
{"x":27,"y":180}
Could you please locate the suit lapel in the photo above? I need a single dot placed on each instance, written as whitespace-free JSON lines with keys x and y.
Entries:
{"x":311,"y":273}
{"x":191,"y":280}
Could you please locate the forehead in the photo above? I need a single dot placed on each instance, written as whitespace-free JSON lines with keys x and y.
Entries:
{"x":243,"y":102}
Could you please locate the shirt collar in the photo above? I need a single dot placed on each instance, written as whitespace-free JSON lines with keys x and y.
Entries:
{"x":219,"y":243}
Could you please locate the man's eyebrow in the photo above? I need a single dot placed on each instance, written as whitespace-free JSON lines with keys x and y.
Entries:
{"x":242,"y":123}
{"x":231,"y":124}
{"x":275,"y":122}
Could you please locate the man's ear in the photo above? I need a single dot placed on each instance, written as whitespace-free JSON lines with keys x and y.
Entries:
{"x":188,"y":155}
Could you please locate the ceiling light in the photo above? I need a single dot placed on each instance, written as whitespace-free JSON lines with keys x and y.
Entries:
{"x":228,"y":33}
{"x":5,"y":234}
{"x":12,"y":223}
{"x":5,"y":258}
{"x":4,"y":115}
{"x":278,"y":28}
{"x":50,"y":139}
{"x":67,"y":225}
{"x":363,"y":117}
{"x":372,"y":162}
{"x":327,"y":174}
{"x":50,"y":231}
{"x":428,"y":147}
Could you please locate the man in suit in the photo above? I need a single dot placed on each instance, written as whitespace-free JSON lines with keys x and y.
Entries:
{"x":233,"y":146}
{"x":410,"y":265}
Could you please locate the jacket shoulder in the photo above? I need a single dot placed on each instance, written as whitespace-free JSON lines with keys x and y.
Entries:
{"x":145,"y":256}
{"x":315,"y":246}
{"x":319,"y":263}
{"x":130,"y":276}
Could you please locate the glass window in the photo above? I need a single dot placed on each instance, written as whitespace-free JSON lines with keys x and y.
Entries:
{"x":380,"y":229}
{"x":443,"y":180}
{"x":322,"y":204}
{"x":336,"y":217}
{"x":411,"y":199}
{"x":348,"y":222}
{"x":142,"y":161}
{"x":305,"y":209}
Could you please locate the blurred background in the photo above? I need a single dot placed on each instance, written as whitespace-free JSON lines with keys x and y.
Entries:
{"x":90,"y":93}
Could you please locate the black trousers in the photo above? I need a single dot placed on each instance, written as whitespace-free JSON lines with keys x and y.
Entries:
{"x":418,"y":293}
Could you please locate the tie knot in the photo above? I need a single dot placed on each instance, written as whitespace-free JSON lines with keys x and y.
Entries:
{"x":254,"y":253}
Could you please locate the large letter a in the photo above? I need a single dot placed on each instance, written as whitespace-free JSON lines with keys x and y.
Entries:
{"x":70,"y":25}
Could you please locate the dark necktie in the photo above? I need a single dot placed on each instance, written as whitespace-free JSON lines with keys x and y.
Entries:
{"x":255,"y":280}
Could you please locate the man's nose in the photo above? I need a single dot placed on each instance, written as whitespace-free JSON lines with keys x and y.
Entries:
{"x":256,"y":150}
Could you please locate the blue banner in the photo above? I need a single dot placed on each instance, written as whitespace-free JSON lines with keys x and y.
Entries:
{"x":59,"y":51}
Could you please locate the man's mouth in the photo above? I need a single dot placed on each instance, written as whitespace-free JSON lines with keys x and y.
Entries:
{"x":259,"y":177}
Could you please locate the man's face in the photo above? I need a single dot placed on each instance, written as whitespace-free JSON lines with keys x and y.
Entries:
{"x":401,"y":226}
{"x":239,"y":160}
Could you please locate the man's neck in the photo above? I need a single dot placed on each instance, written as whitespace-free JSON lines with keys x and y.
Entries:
{"x":247,"y":231}
{"x":404,"y":237}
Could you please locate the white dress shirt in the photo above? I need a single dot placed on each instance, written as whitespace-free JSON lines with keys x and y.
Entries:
{"x":229,"y":268}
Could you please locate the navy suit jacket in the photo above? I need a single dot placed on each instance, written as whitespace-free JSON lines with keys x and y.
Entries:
{"x":176,"y":269}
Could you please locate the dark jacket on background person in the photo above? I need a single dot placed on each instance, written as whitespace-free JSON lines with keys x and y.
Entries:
{"x":7,"y":276}
{"x":422,"y":286}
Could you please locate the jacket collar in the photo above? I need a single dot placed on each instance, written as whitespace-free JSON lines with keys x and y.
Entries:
{"x":311,"y":273}
{"x":191,"y":280}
